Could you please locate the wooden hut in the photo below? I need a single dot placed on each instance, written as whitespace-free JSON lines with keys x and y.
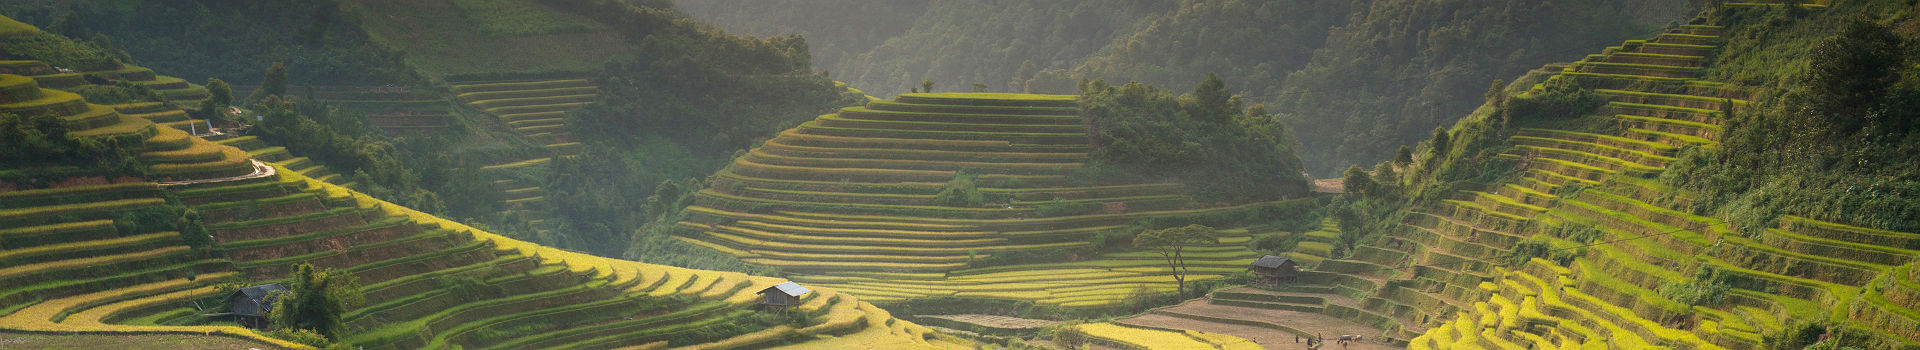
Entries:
{"x":782,"y":295}
{"x":250,"y":305}
{"x":1274,"y":270}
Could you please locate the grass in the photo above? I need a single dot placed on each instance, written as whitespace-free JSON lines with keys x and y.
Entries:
{"x":11,"y":28}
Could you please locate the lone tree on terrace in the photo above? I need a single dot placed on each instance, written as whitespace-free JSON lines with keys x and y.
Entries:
{"x":316,"y":300}
{"x":1171,"y":242}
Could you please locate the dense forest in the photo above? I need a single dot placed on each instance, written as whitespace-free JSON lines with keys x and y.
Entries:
{"x":230,"y":40}
{"x":1357,"y":79}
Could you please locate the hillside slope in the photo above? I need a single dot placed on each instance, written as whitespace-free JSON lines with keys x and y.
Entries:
{"x":146,"y":249}
{"x":1545,"y":221}
{"x":72,"y":270}
{"x":960,"y":195}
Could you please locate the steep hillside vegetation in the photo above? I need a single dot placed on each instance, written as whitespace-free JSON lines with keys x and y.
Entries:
{"x":1551,"y":217}
{"x":233,"y":41}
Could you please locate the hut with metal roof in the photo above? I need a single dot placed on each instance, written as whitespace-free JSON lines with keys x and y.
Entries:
{"x":249,"y":306}
{"x":782,"y":295}
{"x":1274,"y":270}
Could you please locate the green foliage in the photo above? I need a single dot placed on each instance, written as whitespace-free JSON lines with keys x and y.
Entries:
{"x":1206,"y":139}
{"x":345,"y":145}
{"x":961,"y":191}
{"x":1580,"y":233}
{"x":1356,"y":181}
{"x":220,"y":96}
{"x":469,"y":286}
{"x":1850,"y":74}
{"x":1795,"y":336}
{"x":118,"y":92}
{"x":168,"y":217}
{"x":200,"y":39}
{"x":301,"y":336}
{"x":273,"y":82}
{"x":1560,"y":99}
{"x":42,"y":140}
{"x":515,"y":18}
{"x":1535,"y":247}
{"x":1709,"y":287}
{"x":1062,"y":207}
{"x":315,"y":300}
{"x":1171,"y":243}
{"x":1403,"y":157}
{"x":652,"y":241}
{"x":1818,"y":148}
{"x":59,"y":52}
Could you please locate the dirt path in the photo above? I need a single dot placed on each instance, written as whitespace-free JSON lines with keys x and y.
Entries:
{"x":1325,"y":325}
{"x":259,"y":170}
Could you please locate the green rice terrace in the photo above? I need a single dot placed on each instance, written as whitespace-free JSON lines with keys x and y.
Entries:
{"x":1437,"y":281}
{"x":537,"y":111}
{"x":1662,"y":193}
{"x":78,"y":261}
{"x":851,"y":200}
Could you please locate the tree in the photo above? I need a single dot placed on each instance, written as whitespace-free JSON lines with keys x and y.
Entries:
{"x":926,"y":85}
{"x":72,"y":27}
{"x":1403,"y":157}
{"x":1849,"y":73}
{"x":1212,"y":100}
{"x":1171,"y":243}
{"x":978,"y":87}
{"x":316,"y":299}
{"x":220,"y":95}
{"x":1356,"y":182}
{"x":275,"y":82}
{"x":1438,"y":148}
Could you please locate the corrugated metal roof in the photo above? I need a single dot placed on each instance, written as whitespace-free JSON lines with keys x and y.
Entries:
{"x":1270,"y":261}
{"x":789,"y":288}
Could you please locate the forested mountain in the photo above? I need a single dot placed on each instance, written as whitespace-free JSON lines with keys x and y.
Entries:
{"x":1355,"y":78}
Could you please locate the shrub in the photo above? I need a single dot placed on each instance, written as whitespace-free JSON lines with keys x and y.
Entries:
{"x":1222,"y":150}
{"x":961,"y":191}
{"x":301,"y":336}
{"x":1061,"y":207}
{"x":316,"y":299}
{"x":1582,"y":233}
{"x":1708,"y":287}
{"x":1540,"y":248}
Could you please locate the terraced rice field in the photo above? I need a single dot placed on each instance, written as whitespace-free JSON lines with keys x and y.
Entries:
{"x":173,"y":89}
{"x":1429,"y":281}
{"x":171,"y":154}
{"x":77,"y":276}
{"x":67,"y":267}
{"x":537,"y":110}
{"x":853,"y":195}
